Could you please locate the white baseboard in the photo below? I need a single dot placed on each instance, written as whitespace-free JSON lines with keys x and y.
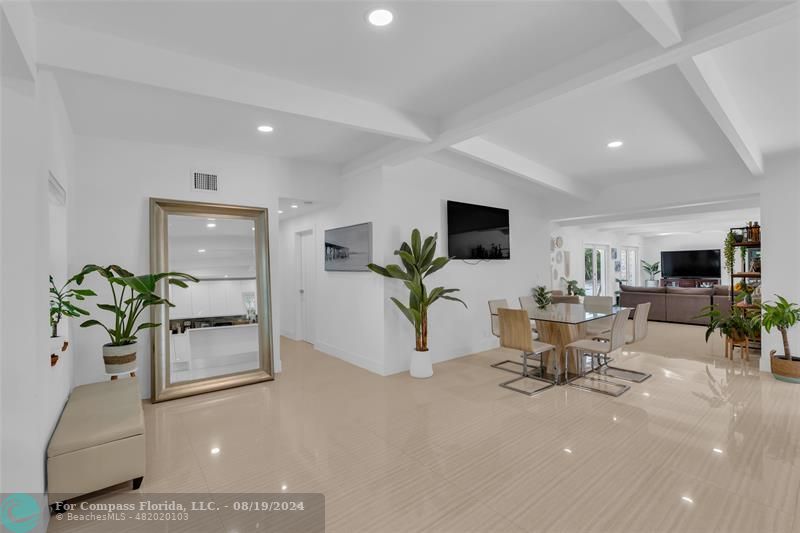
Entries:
{"x":354,"y":359}
{"x":403,"y":366}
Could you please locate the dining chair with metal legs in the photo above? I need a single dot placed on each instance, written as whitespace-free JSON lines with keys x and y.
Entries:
{"x":639,"y":333}
{"x":599,"y":304}
{"x":599,"y":348}
{"x":515,"y":334}
{"x":526,"y":302}
{"x":494,"y":307}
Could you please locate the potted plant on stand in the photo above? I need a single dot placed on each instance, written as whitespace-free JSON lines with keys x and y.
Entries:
{"x":737,"y":326}
{"x":418,"y":263}
{"x":782,"y":315}
{"x":61,"y":306}
{"x":652,"y":269}
{"x":131,"y":295}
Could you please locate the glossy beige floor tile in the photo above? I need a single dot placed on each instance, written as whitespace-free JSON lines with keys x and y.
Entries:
{"x":706,"y":444}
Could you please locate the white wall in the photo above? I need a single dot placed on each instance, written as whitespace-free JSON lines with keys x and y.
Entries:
{"x":347,"y":306}
{"x":36,"y":140}
{"x":110,"y":215}
{"x":575,"y":240}
{"x":355,"y":319}
{"x":780,"y":241}
{"x":414,"y":197}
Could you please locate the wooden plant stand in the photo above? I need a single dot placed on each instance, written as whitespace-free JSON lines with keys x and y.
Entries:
{"x":743,"y":345}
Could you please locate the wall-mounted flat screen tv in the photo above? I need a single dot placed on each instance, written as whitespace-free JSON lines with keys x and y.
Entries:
{"x":691,"y":264}
{"x":477,"y":232}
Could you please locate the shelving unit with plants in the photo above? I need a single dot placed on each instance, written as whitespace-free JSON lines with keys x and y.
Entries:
{"x":745,"y":241}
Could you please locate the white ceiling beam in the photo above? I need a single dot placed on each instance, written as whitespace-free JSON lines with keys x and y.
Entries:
{"x":657,"y":17}
{"x":22,"y":26}
{"x":705,"y":79}
{"x":728,"y":203}
{"x":66,"y":47}
{"x":509,"y":161}
{"x":587,"y":73}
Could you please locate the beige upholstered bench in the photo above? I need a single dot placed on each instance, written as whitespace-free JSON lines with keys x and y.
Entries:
{"x":98,"y":442}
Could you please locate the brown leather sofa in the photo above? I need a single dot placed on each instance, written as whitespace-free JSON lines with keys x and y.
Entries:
{"x":676,"y":304}
{"x":722,"y":299}
{"x":657,"y":296}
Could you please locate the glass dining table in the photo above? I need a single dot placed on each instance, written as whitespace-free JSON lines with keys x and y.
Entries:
{"x":560,"y":324}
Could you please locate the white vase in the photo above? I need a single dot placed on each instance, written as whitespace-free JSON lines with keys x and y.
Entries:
{"x":651,"y":283}
{"x":120,"y":359}
{"x":421,"y":366}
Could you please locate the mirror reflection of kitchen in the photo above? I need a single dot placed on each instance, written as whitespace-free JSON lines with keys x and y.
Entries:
{"x":214,"y":324}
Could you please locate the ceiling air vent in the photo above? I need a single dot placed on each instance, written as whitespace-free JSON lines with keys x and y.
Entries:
{"x":205,"y":182}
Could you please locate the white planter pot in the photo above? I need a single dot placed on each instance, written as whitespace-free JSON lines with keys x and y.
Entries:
{"x":120,"y":359}
{"x":421,"y":366}
{"x":651,"y":283}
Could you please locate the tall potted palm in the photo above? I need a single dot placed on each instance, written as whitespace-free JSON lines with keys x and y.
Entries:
{"x":131,"y":296}
{"x":418,"y":263}
{"x":782,"y":315}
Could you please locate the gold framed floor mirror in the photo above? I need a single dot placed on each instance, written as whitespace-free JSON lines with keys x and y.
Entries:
{"x":218,"y":332}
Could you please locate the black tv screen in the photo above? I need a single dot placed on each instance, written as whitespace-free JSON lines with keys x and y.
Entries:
{"x":477,"y":232}
{"x":691,"y":264}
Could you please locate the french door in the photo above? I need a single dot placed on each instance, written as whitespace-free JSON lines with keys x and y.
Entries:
{"x":595,"y":277}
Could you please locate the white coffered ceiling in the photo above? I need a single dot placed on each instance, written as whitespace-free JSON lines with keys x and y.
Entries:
{"x":532,"y":89}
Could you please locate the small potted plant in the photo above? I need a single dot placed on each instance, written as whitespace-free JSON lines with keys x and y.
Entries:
{"x":418,"y":263}
{"x":652,"y":269}
{"x":131,"y":295}
{"x":542,"y":296}
{"x":61,"y":306}
{"x":782,"y":315}
{"x":572,"y":287}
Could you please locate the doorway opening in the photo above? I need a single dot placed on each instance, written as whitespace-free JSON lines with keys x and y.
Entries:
{"x":595,"y":270}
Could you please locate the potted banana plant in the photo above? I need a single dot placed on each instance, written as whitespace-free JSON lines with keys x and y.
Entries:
{"x":131,"y":296}
{"x":418,"y":263}
{"x":61,"y":305}
{"x":782,"y":315}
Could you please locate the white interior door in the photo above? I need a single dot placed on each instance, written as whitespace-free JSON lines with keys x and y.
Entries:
{"x":306,"y":286}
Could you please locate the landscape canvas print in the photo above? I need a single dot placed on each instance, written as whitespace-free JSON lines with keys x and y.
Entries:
{"x":349,"y":249}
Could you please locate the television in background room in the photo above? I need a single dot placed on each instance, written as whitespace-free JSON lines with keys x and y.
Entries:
{"x":348,"y":249}
{"x":691,"y":264}
{"x":477,"y":232}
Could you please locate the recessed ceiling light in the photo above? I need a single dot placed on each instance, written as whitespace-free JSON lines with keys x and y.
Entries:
{"x":567,"y":450}
{"x":294,"y":206}
{"x":266,"y":129}
{"x":280,"y":211}
{"x":284,"y":488}
{"x":225,"y":276}
{"x":717,"y":451}
{"x":214,"y":451}
{"x":201,"y":251}
{"x":380,"y":17}
{"x":211,"y":225}
{"x":615,"y":144}
{"x":687,"y":499}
